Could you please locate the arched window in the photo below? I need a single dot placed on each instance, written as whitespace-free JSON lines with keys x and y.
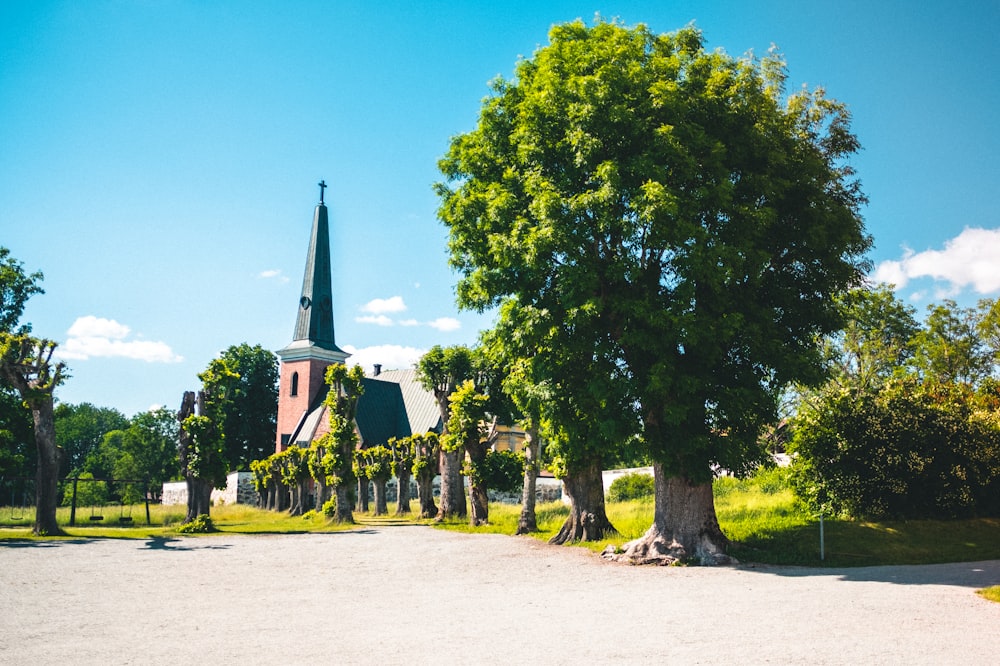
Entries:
{"x":295,"y":384}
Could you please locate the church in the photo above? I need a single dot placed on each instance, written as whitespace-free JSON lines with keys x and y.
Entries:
{"x":393,"y":404}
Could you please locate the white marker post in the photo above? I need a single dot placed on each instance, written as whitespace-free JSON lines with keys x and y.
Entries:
{"x":822,"y":554}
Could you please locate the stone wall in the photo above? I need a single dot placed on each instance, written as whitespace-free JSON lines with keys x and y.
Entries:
{"x":239,"y":490}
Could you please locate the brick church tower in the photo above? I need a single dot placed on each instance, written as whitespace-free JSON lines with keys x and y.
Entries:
{"x":301,"y":385}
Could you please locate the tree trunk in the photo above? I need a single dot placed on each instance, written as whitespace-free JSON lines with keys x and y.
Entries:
{"x":199,"y":497}
{"x":322,"y":494}
{"x":381,"y":507}
{"x":452,"y":488}
{"x":363,"y":495}
{"x":425,"y":493}
{"x":479,"y":500}
{"x":343,"y":514}
{"x":47,"y":475}
{"x":403,"y":493}
{"x":527,"y":523}
{"x":587,"y":520}
{"x":685,"y":527}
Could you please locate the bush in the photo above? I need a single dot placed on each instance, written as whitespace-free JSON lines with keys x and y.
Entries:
{"x":902,"y":451}
{"x":200,"y":525}
{"x":503,"y":471}
{"x":634,"y":485}
{"x":330,"y":507}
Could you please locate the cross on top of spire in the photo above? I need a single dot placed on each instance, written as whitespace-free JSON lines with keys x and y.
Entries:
{"x":322,"y":188}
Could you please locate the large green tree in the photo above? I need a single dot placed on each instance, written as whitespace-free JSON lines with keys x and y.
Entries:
{"x":26,"y":366}
{"x":80,"y":429}
{"x":680,"y":222}
{"x":252,"y":407}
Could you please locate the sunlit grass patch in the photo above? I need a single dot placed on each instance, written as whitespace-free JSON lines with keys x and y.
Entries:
{"x":990,"y":593}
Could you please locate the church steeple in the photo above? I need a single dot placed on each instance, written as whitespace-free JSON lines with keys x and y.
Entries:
{"x":315,"y":319}
{"x":304,"y":361}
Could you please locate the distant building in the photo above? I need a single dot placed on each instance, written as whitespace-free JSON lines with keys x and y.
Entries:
{"x":393,"y":404}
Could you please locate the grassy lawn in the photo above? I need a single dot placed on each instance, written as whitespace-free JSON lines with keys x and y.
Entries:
{"x":760,"y":516}
{"x":991,"y":593}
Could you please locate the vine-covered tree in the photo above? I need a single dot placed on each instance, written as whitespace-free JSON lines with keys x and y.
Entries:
{"x":426,"y":453}
{"x":375,"y":462}
{"x":680,"y":224}
{"x":201,"y":448}
{"x":346,"y":387}
{"x":442,"y":370}
{"x":402,"y":468}
{"x":466,"y":434}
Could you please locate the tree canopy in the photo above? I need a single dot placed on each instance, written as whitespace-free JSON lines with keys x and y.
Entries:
{"x":670,"y":216}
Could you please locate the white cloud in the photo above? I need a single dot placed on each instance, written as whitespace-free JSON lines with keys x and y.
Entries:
{"x":273,"y":274}
{"x":445,"y":324}
{"x":91,"y":337}
{"x":971,"y":259}
{"x":378,"y":320}
{"x":391,"y":357}
{"x":409,"y":322}
{"x":97,"y":327}
{"x":383,"y":305}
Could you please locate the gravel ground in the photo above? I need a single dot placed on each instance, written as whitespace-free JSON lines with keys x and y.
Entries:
{"x":415,"y":595}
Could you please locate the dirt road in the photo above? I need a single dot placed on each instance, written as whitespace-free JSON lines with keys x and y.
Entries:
{"x":416,"y":595}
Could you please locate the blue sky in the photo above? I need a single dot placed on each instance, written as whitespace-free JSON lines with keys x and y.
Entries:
{"x":159,"y":160}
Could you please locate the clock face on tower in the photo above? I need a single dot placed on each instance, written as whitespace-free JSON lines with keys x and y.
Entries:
{"x":305,"y":302}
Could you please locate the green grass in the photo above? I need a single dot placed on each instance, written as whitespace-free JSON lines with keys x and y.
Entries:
{"x":991,"y":593}
{"x":760,"y":516}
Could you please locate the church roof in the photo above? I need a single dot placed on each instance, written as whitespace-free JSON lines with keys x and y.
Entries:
{"x":421,"y":407}
{"x":393,"y":405}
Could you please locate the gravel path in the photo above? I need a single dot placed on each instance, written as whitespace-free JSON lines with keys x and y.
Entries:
{"x":415,"y":595}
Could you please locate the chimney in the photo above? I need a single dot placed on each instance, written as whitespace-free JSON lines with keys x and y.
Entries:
{"x":378,"y":369}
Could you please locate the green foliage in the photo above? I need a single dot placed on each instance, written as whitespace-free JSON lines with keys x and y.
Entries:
{"x":330,"y":507}
{"x":374,"y":463}
{"x":467,"y":415}
{"x":631,"y":486}
{"x":202,"y":524}
{"x":80,"y":430}
{"x":663,"y":234}
{"x":88,"y":492}
{"x":502,"y":471}
{"x":16,"y":287}
{"x":425,"y":454}
{"x":17,"y":435}
{"x":251,"y":408}
{"x":204,"y":455}
{"x":402,"y":455}
{"x":877,"y":341}
{"x":951,"y":349}
{"x":907,"y":450}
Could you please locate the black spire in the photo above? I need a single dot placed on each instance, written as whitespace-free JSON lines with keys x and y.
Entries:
{"x":315,"y":319}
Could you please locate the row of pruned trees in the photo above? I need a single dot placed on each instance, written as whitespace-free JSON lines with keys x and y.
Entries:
{"x":298,"y":477}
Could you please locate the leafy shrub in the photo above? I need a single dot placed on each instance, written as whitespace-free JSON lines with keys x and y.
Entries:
{"x":634,"y":485}
{"x":502,"y":471}
{"x":330,"y":507}
{"x":200,"y":525}
{"x":902,"y":451}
